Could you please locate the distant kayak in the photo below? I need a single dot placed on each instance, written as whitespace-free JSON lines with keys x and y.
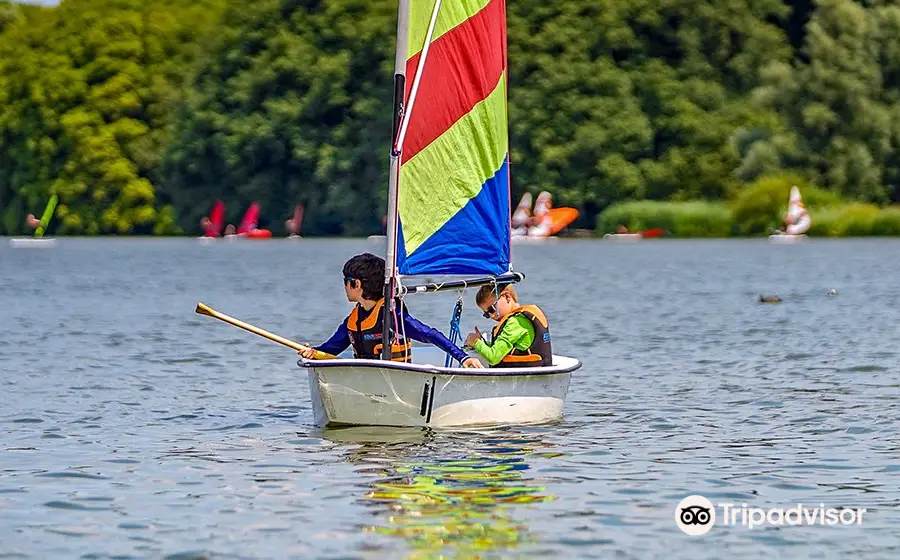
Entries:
{"x":637,"y":235}
{"x":515,"y":239}
{"x":623,"y":236}
{"x":32,"y":242}
{"x":258,"y":234}
{"x":787,"y":238}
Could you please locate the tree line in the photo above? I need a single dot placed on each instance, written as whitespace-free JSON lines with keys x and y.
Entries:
{"x":140,"y":114}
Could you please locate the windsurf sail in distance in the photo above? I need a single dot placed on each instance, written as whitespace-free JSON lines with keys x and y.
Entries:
{"x":250,"y":220}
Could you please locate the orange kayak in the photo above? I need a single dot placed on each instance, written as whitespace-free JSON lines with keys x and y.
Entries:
{"x":259,"y":234}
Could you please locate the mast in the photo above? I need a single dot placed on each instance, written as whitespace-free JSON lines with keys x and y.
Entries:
{"x":390,"y":261}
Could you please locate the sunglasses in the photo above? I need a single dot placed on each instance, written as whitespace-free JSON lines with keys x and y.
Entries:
{"x":492,"y":308}
{"x":348,"y":279}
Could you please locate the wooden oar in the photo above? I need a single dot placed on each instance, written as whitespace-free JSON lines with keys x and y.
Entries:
{"x":203,"y":309}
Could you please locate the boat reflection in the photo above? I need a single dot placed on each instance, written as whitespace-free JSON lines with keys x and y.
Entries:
{"x":449,"y":495}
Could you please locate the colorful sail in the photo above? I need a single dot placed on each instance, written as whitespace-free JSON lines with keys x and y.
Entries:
{"x":797,"y":219}
{"x":293,"y":225}
{"x":212,"y":226}
{"x":453,"y":195}
{"x":46,"y":216}
{"x":250,"y":220}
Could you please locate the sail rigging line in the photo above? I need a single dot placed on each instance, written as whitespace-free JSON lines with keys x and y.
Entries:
{"x":509,"y":152}
{"x":399,"y":332}
{"x":455,"y":333}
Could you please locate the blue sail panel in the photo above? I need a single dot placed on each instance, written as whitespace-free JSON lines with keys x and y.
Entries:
{"x":475,"y":241}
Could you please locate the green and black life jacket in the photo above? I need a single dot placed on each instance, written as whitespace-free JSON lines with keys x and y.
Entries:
{"x":536,"y":355}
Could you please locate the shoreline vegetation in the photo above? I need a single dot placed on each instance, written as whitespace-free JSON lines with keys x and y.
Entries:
{"x":140,"y":114}
{"x":755,"y":211}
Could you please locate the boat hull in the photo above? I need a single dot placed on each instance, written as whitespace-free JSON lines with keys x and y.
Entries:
{"x":630,"y":237}
{"x":32,"y":242}
{"x":377,"y":393}
{"x":516,"y":239}
{"x":787,"y":239}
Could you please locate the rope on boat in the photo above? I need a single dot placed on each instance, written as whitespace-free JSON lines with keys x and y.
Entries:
{"x":455,"y":335}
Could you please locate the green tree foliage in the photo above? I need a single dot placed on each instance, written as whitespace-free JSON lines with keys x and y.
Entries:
{"x":689,"y":219}
{"x":760,"y":208}
{"x":840,"y":102}
{"x":9,"y":14}
{"x":141,"y":113}
{"x":292,"y":105}
{"x":636,"y":98}
{"x":631,"y":100}
{"x":86,"y":94}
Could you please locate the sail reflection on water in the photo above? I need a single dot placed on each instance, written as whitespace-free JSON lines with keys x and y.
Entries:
{"x":455,"y":495}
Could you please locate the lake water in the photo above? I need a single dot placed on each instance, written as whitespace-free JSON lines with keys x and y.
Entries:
{"x":132,"y":427}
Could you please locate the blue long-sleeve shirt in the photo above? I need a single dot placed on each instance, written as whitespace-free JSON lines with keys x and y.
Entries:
{"x":414,"y":329}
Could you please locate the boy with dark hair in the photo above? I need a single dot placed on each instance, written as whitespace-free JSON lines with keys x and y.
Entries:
{"x":521,"y":337}
{"x":362,"y":329}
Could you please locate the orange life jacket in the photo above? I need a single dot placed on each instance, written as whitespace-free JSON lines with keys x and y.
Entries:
{"x":366,"y":336}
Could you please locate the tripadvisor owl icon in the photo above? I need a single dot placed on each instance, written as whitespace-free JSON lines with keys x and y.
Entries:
{"x":695,"y":515}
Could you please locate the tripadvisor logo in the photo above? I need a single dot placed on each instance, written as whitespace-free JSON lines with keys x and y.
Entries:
{"x":695,"y":515}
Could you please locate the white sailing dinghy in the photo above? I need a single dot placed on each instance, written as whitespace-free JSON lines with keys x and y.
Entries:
{"x":38,"y":241}
{"x":448,"y":214}
{"x":797,"y":219}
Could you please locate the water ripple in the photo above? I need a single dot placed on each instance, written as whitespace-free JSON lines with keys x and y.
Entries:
{"x":146,"y":431}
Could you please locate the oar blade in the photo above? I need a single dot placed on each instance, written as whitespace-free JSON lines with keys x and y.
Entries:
{"x":203,"y":309}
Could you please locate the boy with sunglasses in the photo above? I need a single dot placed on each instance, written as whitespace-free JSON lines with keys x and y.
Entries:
{"x":521,"y":337}
{"x":362,"y":329}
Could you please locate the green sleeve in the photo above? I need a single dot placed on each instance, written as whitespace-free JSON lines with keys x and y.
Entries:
{"x":517,"y":332}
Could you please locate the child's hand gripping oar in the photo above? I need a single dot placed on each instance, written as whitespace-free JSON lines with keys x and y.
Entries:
{"x":206,"y":310}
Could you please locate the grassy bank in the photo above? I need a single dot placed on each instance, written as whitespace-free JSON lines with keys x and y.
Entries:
{"x":685,"y":219}
{"x":756,"y":210}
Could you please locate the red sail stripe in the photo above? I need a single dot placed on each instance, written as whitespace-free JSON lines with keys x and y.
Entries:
{"x":463,"y":67}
